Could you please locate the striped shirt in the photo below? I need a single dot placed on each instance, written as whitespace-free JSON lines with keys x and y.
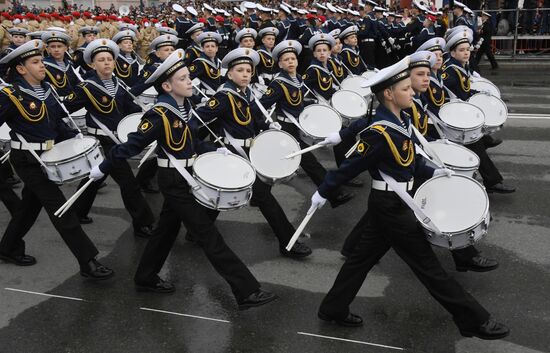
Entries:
{"x":61,"y":64}
{"x":110,"y":85}
{"x":183,"y":112}
{"x":295,"y":80}
{"x":39,"y":91}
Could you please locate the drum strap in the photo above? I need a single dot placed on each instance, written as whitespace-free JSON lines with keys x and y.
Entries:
{"x":404,"y":195}
{"x":293,"y":120}
{"x":26,"y":144}
{"x":209,"y":90}
{"x":427,"y":148}
{"x":233,"y":142}
{"x":105,"y":129}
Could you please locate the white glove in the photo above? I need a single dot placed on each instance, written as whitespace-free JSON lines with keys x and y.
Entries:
{"x":332,"y":139}
{"x":223,"y":150}
{"x":79,"y":136}
{"x":96,"y":173}
{"x":444,"y":171}
{"x":204,"y":99}
{"x":384,"y":43}
{"x":391,"y":40}
{"x":317,"y":201}
{"x":397,"y":47}
{"x":476,"y":74}
{"x":275,"y":125}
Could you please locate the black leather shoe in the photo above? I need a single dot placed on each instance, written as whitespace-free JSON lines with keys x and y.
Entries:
{"x":258,"y":298}
{"x":149,"y":188}
{"x":19,"y":260}
{"x":143,"y":231}
{"x":341,"y":199}
{"x":493,"y":142}
{"x":161,"y":286}
{"x":478,"y":264}
{"x":351,"y":320}
{"x":298,"y":251}
{"x":500,"y":188}
{"x":489,"y":330}
{"x":355,"y":183}
{"x":95,"y":270}
{"x":85,"y":220}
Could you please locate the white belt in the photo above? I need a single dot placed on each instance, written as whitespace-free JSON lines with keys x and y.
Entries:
{"x":367,"y":40}
{"x":166,"y":163}
{"x":383,"y":186}
{"x":35,"y":146}
{"x":98,"y":132}
{"x":283,"y":119}
{"x":240,"y":142}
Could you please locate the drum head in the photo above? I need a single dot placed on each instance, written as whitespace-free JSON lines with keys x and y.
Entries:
{"x":127,"y":125}
{"x":268,"y":151}
{"x":150,"y":92}
{"x":319,"y":120}
{"x":494,"y":109}
{"x":462,"y":115}
{"x":368,"y":74}
{"x":68,"y":149}
{"x":353,"y":83}
{"x":5,"y":132}
{"x":455,"y":155}
{"x":80,"y":113}
{"x":224,"y":172}
{"x":454,"y":204}
{"x":483,"y":85}
{"x":350,"y":104}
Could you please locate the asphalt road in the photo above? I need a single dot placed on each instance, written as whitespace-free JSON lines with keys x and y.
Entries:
{"x":50,"y":308}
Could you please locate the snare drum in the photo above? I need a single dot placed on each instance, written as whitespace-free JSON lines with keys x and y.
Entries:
{"x":353,"y":83}
{"x":72,"y":159}
{"x":317,"y":121}
{"x":458,"y":206}
{"x":368,"y":74}
{"x":79,"y":118}
{"x":5,"y":137}
{"x":456,"y":157}
{"x":484,"y":85}
{"x":126,"y":126}
{"x":462,"y":122}
{"x":351,"y":105}
{"x":149,"y":96}
{"x":226,"y":180}
{"x":267,"y":156}
{"x":494,"y":109}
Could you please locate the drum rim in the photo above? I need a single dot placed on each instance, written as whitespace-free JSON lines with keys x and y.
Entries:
{"x":72,"y":158}
{"x":303,"y":130}
{"x":448,"y":104}
{"x":125,"y":118}
{"x":440,"y":142}
{"x":477,"y":223}
{"x":212,"y":186}
{"x":347,"y":116}
{"x":266,"y":132}
{"x":495,"y":97}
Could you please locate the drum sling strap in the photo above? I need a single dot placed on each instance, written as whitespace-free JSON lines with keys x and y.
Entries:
{"x":26,"y":144}
{"x":426,"y":146}
{"x":233,"y":142}
{"x":105,"y":129}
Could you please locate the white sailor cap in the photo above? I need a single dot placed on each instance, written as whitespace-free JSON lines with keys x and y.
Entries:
{"x":88,"y":29}
{"x":335,"y":33}
{"x":128,"y":26}
{"x":168,"y":67}
{"x":192,"y":10}
{"x":468,"y":10}
{"x":457,"y":39}
{"x":167,"y":30}
{"x":459,"y":4}
{"x":55,"y":36}
{"x":485,"y":13}
{"x":451,"y":31}
{"x":390,"y":14}
{"x":262,"y":8}
{"x":419,"y":5}
{"x":195,"y":28}
{"x":287,"y":46}
{"x":226,"y":14}
{"x":370,"y":3}
{"x":206,"y":37}
{"x":422,"y":58}
{"x":164,"y":40}
{"x":351,"y":30}
{"x":57,"y":29}
{"x":178,"y":8}
{"x":268,"y":31}
{"x":321,"y":38}
{"x":207,"y":7}
{"x":313,"y":11}
{"x":240,"y":56}
{"x":249,"y":5}
{"x":340,"y":10}
{"x":122,"y":35}
{"x":433,"y":44}
{"x":35,"y":35}
{"x":302,"y":11}
{"x":244,"y":33}
{"x":388,"y":76}
{"x":285,"y":9}
{"x":18,"y":31}
{"x":331,"y":7}
{"x":379,"y":9}
{"x":320,"y":6}
{"x":24,"y":51}
{"x":99,"y":46}
{"x":237,"y":10}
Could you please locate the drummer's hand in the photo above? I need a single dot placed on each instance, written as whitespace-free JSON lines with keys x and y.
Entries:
{"x":317,"y":201}
{"x":204,"y":99}
{"x":96,"y":173}
{"x":79,"y":136}
{"x":275,"y":125}
{"x":223,"y":150}
{"x":332,"y":139}
{"x":444,"y":171}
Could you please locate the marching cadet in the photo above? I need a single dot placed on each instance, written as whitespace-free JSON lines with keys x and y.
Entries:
{"x":457,"y":80}
{"x":288,"y":29}
{"x":318,"y":77}
{"x":368,"y":33}
{"x":207,"y":67}
{"x":246,"y":38}
{"x":460,"y":18}
{"x":266,"y":69}
{"x":287,"y":92}
{"x":427,"y":32}
{"x":18,"y":37}
{"x":485,"y":45}
{"x":33,"y":115}
{"x":194,"y":50}
{"x":350,"y":51}
{"x":106,"y":103}
{"x":225,"y":33}
{"x":391,"y":224}
{"x":89,"y":33}
{"x":238,"y":114}
{"x":126,"y":64}
{"x":307,"y":52}
{"x":336,"y":65}
{"x":59,"y":68}
{"x":167,"y":123}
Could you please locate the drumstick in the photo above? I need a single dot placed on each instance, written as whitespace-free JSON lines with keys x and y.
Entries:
{"x":299,"y":230}
{"x":5,"y":158}
{"x":146,"y":156}
{"x":61,"y":211}
{"x":200,"y":91}
{"x":305,"y":150}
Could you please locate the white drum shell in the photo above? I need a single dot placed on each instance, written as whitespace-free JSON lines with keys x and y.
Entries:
{"x":462,"y":122}
{"x":226,"y":197}
{"x":149,"y":96}
{"x":126,"y":126}
{"x":481,"y":84}
{"x":456,"y":157}
{"x":494,"y":109}
{"x":459,"y":207}
{"x":79,"y":118}
{"x":350,"y":105}
{"x":5,"y":137}
{"x":72,"y":160}
{"x":354,"y":83}
{"x":318,"y":120}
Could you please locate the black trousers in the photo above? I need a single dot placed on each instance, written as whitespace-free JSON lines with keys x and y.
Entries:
{"x":342,"y":148}
{"x":39,"y":192}
{"x":391,"y":224}
{"x":7,"y":195}
{"x":366,"y":51}
{"x":180,"y":206}
{"x":147,"y":172}
{"x":131,"y":194}
{"x":487,"y":168}
{"x":485,"y":48}
{"x":6,"y":170}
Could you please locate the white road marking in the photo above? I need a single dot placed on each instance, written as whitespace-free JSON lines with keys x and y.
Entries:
{"x":351,"y":341}
{"x":44,"y":294}
{"x":187,"y":315}
{"x":528,"y":116}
